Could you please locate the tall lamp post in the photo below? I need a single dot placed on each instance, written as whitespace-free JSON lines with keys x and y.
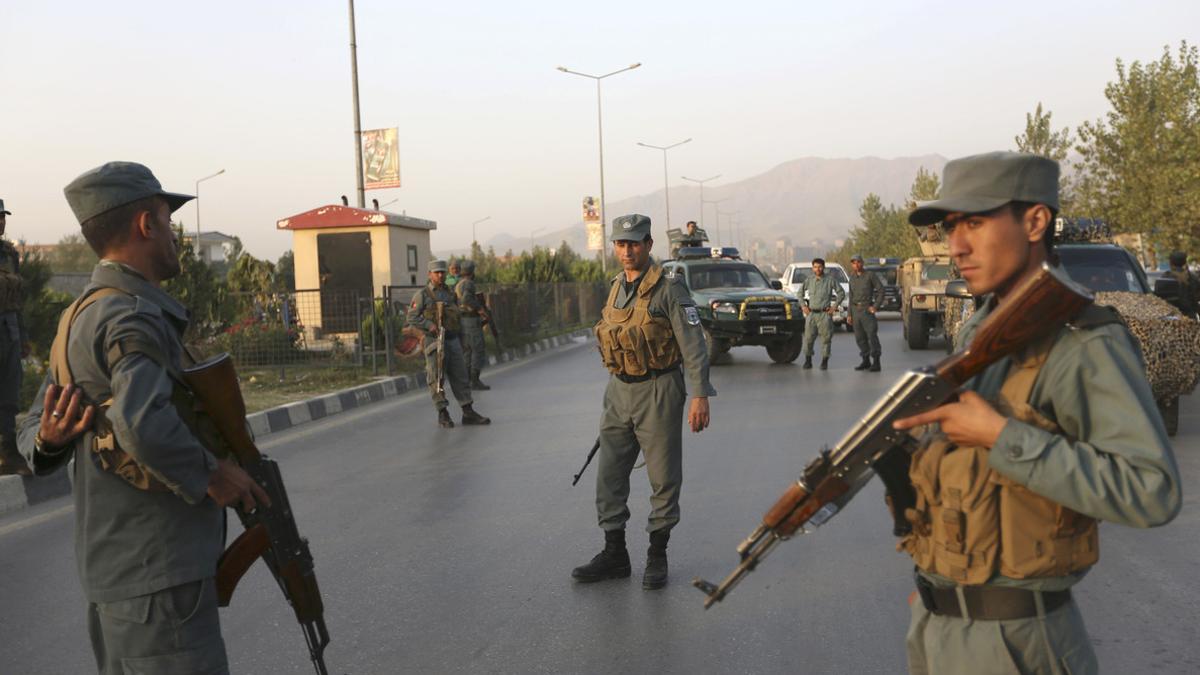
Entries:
{"x":717,"y":209}
{"x":600,"y":127}
{"x":666,"y":182}
{"x":358,"y":169}
{"x":198,"y":182}
{"x":701,"y":182}
{"x":473,"y":240}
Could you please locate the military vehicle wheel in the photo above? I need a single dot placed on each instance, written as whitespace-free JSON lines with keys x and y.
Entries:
{"x":787,"y":351}
{"x":915,"y":331}
{"x":1170,"y":414}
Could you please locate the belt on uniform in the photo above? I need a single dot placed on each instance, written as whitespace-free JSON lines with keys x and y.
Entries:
{"x":988,"y":603}
{"x":650,"y":374}
{"x":862,"y":304}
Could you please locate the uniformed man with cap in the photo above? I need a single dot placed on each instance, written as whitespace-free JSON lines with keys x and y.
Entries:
{"x":1044,"y":443}
{"x":14,"y":346}
{"x":651,"y":342}
{"x":472,"y":325}
{"x":1188,"y":300}
{"x":820,"y":295}
{"x":148,"y":494}
{"x":435,"y":308}
{"x":866,"y":295}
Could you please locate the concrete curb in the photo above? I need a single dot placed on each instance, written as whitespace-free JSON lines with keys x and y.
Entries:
{"x":18,"y":493}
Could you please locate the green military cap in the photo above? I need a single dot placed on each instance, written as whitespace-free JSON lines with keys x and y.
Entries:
{"x":468,"y":266}
{"x":857,"y":257}
{"x":634,"y":227}
{"x":3,"y":210}
{"x":113,"y":185}
{"x":984,"y":182}
{"x":437,"y":265}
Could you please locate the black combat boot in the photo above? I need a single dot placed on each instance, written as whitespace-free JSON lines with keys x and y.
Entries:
{"x":611,"y":563}
{"x":655,"y":576}
{"x":807,"y":363}
{"x":478,"y":384}
{"x":875,"y":367}
{"x":444,"y":420}
{"x":825,"y":363}
{"x":866,"y":363}
{"x":472,"y":417}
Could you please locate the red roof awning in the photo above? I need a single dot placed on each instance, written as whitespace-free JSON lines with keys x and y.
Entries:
{"x":336,"y":215}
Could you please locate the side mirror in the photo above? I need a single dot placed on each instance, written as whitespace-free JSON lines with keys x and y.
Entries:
{"x":958,"y":289}
{"x":777,"y":284}
{"x":1167,"y":289}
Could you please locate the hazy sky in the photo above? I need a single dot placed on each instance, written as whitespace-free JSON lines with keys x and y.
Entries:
{"x":489,"y":127}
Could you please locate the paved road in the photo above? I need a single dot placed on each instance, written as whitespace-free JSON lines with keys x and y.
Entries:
{"x":450,"y":551}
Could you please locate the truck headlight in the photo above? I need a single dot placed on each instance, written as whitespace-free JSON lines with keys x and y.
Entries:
{"x":724,"y":308}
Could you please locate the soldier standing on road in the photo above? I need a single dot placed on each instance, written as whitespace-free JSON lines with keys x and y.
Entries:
{"x":821,"y":295}
{"x":423,"y":314}
{"x":1189,"y":285}
{"x":472,"y":325}
{"x":1037,"y":449}
{"x":14,"y":346}
{"x":648,"y":329}
{"x":866,"y":295}
{"x":148,"y":494}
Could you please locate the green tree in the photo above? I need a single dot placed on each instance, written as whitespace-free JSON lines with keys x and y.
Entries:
{"x":42,"y":305}
{"x":72,"y":255}
{"x":198,"y":289}
{"x":1140,"y":168}
{"x":926,"y":187}
{"x":285,"y":270}
{"x":1040,"y":139}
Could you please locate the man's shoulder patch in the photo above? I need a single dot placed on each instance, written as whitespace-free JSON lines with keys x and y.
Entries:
{"x":692,"y":315}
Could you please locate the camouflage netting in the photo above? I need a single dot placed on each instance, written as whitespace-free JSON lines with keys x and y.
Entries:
{"x":1169,"y":341}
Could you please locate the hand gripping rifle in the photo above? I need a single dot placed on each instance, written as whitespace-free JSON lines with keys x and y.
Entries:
{"x":441,"y":349}
{"x":271,"y":532}
{"x":488,"y":320}
{"x":1035,"y":309}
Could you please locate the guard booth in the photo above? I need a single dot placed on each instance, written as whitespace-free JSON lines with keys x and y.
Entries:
{"x":344,"y":255}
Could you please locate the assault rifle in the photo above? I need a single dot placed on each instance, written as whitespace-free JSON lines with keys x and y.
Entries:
{"x":441,"y":350}
{"x":488,"y":319}
{"x":586,"y":462}
{"x":1035,"y":309}
{"x":271,"y":532}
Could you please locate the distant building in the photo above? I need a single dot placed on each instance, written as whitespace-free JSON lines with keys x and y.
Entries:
{"x":214,"y":247}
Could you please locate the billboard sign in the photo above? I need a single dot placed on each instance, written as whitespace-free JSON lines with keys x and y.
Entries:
{"x":381,"y":159}
{"x":591,"y":221}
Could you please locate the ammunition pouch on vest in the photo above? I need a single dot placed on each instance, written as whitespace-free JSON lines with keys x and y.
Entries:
{"x":12,"y":286}
{"x":971,"y":523}
{"x":108,"y":455}
{"x":451,"y":316}
{"x":632,"y":341}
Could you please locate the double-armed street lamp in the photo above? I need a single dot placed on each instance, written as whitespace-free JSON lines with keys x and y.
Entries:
{"x":717,"y":209}
{"x":600,"y":127}
{"x":473,"y":240}
{"x":666,"y":183}
{"x":701,"y":182}
{"x":198,"y":182}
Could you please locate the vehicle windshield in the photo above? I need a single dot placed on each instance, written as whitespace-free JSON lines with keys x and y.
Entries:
{"x":1101,"y":269}
{"x":935,"y":272}
{"x":886,"y":274}
{"x":725,"y":276}
{"x":801,"y":273}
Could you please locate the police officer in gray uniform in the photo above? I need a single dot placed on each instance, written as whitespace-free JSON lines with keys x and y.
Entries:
{"x":423,"y":314}
{"x":866,"y":295}
{"x":14,"y":345}
{"x":472,"y":325}
{"x":148,"y":494}
{"x":648,"y":330}
{"x":821,"y":295}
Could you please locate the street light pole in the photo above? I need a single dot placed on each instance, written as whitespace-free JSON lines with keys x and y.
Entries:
{"x":701,"y":182}
{"x":717,"y":209}
{"x":198,"y":182}
{"x":358,"y":168}
{"x":600,"y":127}
{"x":666,"y":182}
{"x":473,"y":240}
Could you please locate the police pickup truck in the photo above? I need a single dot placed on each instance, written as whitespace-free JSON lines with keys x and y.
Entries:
{"x":737,"y":305}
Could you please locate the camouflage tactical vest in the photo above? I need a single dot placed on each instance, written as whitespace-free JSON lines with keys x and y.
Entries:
{"x":631,"y":340}
{"x":970,"y":522}
{"x":12,"y":286}
{"x":105,"y":451}
{"x":451,"y":316}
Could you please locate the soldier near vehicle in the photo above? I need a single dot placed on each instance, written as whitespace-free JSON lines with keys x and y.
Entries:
{"x":472,"y":325}
{"x":866,"y":297}
{"x":435,"y":311}
{"x":14,"y":346}
{"x":649,"y":336}
{"x":1045,"y":443}
{"x":689,"y":236}
{"x":1188,"y":300}
{"x":149,"y":495}
{"x":821,"y":295}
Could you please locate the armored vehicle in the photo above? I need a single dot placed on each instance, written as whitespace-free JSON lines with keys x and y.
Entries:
{"x":737,"y":305}
{"x":922,"y":282}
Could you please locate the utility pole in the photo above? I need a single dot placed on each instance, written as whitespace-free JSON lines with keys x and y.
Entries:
{"x":358,"y":165}
{"x":666,"y":182}
{"x":701,"y":182}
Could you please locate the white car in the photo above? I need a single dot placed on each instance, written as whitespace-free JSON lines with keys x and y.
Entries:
{"x":796,"y":273}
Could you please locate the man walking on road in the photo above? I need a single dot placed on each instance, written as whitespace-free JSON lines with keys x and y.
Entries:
{"x":866,"y":295}
{"x":1189,"y":286}
{"x":434,"y":309}
{"x":649,"y":328}
{"x":14,"y":346}
{"x":472,"y":325}
{"x":820,"y":296}
{"x":149,"y":496}
{"x":1036,"y":450}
